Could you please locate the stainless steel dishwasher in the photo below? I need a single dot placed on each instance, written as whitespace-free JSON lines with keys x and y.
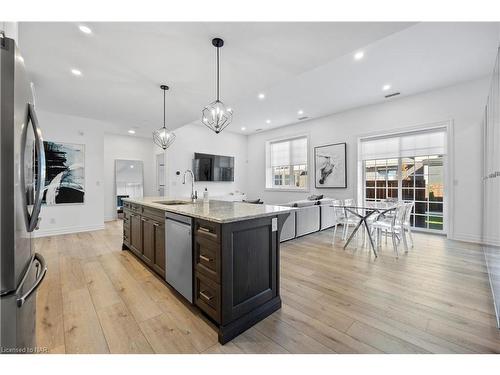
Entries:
{"x":179,"y":257}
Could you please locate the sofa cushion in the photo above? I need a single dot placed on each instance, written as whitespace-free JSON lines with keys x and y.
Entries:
{"x":326,"y":201}
{"x":315,"y":197}
{"x":304,"y":203}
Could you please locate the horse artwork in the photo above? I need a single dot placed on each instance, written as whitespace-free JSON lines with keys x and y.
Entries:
{"x":330,"y":166}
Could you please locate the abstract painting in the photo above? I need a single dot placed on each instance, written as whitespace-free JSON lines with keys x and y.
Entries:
{"x":330,"y":165}
{"x":65,"y":173}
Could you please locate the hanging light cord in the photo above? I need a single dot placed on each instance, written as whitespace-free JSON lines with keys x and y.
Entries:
{"x":164,"y":108}
{"x":217,"y":73}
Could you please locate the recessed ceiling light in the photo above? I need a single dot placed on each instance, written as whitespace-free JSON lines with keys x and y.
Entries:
{"x":268,"y":121}
{"x":359,"y":55}
{"x":300,"y":112}
{"x":131,"y":166}
{"x":85,"y":29}
{"x":386,"y":87}
{"x":243,"y":128}
{"x":131,"y":131}
{"x":261,"y":96}
{"x":76,"y":72}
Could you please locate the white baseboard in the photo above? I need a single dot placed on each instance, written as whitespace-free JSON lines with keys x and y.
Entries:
{"x":466,"y":238}
{"x":67,"y":230}
{"x":475,"y":239}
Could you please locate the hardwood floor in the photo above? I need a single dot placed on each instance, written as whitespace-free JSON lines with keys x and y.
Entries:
{"x":435,"y":299}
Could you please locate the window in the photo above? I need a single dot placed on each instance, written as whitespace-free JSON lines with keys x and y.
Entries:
{"x":287,"y":161}
{"x":409,"y":167}
{"x":412,"y":179}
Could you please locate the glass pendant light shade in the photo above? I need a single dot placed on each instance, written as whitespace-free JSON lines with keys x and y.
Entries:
{"x":216,"y":116}
{"x":163,"y":137}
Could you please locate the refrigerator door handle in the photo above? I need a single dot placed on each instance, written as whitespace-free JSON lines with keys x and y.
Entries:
{"x":40,"y":181}
{"x":40,"y":275}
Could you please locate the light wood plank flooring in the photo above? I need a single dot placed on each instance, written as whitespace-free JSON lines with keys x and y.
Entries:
{"x":436,"y":299}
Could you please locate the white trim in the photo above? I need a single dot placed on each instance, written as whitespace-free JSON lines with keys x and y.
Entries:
{"x":449,"y":165}
{"x":67,"y":230}
{"x":472,"y":238}
{"x":290,"y":136}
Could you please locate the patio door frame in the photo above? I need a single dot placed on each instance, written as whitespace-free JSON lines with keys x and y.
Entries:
{"x":448,"y":166}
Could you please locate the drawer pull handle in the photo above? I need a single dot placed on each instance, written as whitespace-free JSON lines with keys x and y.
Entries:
{"x":206,"y":296}
{"x":206,"y":259}
{"x":206,"y":230}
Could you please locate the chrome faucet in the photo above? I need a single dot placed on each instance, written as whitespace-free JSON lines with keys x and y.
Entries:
{"x":193,"y":193}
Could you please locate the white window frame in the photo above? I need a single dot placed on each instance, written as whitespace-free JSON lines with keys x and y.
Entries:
{"x":269,"y":177}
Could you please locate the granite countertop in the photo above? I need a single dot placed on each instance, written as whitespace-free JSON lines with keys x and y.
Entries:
{"x":214,"y":210}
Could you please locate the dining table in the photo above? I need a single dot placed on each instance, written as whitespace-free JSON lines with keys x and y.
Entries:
{"x":364,"y":212}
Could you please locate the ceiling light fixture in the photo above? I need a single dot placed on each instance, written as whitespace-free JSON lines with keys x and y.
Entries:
{"x":386,"y":87}
{"x":243,"y":128}
{"x":261,"y":96}
{"x":131,"y":131}
{"x":76,"y":72}
{"x":216,"y":116}
{"x":300,"y":112}
{"x":268,"y":121}
{"x":85,"y":29}
{"x":359,"y":55}
{"x":163,"y":137}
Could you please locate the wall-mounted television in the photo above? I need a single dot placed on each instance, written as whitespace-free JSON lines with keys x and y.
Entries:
{"x":207,"y":167}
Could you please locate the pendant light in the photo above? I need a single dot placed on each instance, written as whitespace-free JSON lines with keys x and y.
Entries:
{"x":163,"y":137}
{"x":216,"y":116}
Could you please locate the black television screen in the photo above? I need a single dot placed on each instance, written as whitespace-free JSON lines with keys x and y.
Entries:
{"x":207,"y":167}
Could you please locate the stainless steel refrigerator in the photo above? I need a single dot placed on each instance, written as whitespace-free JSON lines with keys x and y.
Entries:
{"x":22,"y":173}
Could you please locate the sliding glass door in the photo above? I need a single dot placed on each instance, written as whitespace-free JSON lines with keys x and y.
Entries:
{"x":418,"y":179}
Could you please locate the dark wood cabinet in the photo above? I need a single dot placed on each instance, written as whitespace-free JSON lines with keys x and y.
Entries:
{"x":159,"y":263}
{"x":136,"y":233}
{"x":144,"y":235}
{"x":236,"y":276}
{"x":148,"y":240}
{"x":126,"y":227}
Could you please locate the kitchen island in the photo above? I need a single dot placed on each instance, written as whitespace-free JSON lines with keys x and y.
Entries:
{"x":235,"y":255}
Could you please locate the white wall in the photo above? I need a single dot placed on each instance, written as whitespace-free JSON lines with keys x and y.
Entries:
{"x":11,"y":30}
{"x":463,"y":104}
{"x":129,"y":148}
{"x":197,"y":138}
{"x":68,"y":218}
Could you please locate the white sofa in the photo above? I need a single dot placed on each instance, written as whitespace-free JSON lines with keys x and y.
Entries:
{"x":310,"y":216}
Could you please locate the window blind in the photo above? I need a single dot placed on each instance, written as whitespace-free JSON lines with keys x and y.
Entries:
{"x":420,"y":143}
{"x":289,"y":152}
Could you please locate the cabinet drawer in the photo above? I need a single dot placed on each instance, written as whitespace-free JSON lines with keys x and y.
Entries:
{"x":207,"y":296}
{"x":207,"y":229}
{"x":207,"y":258}
{"x":132,"y":207}
{"x":154,"y":214}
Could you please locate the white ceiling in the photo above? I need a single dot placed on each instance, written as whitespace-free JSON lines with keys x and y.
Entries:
{"x":307,"y":66}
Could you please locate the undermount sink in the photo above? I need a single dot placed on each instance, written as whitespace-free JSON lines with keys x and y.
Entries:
{"x":172,"y":202}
